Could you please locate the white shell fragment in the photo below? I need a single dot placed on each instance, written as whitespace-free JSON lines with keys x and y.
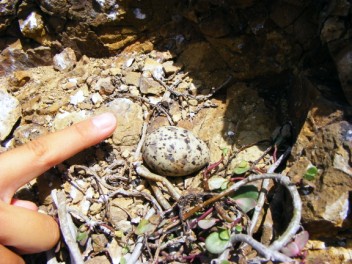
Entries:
{"x":174,"y":151}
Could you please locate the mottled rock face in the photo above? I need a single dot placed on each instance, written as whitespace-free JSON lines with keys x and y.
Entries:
{"x":324,"y":142}
{"x":174,"y":151}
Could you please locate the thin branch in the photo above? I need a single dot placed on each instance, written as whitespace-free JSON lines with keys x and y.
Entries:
{"x":159,"y":195}
{"x":64,"y":220}
{"x":144,"y":172}
{"x":156,"y":255}
{"x":264,"y":190}
{"x":137,"y":251}
{"x":137,"y":194}
{"x":137,"y":155}
{"x":267,"y":252}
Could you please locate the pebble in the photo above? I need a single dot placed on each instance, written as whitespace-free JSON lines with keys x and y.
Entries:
{"x":96,"y":98}
{"x":154,"y":67}
{"x":132,"y":78}
{"x":149,"y":86}
{"x":20,"y":78}
{"x":65,"y":61}
{"x":66,"y":119}
{"x":170,"y":68}
{"x":77,"y":98}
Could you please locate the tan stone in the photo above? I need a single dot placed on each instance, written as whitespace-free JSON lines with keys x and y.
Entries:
{"x":129,"y":117}
{"x":133,"y":78}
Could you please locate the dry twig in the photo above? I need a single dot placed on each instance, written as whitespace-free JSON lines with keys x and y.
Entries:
{"x":264,"y":191}
{"x":66,"y":230}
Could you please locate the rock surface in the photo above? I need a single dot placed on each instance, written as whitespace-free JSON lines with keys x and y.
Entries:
{"x":10,"y":110}
{"x":325,"y":142}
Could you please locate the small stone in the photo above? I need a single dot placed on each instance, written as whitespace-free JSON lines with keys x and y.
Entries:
{"x":333,"y":29}
{"x":69,"y":85}
{"x":134,"y":91}
{"x":28,"y":132}
{"x":95,"y":208}
{"x":104,"y":86}
{"x":176,"y":117}
{"x":125,"y":154}
{"x":125,"y":226}
{"x":132,"y":78}
{"x":99,"y":242}
{"x":65,"y":119}
{"x":154,"y":67}
{"x":96,"y":98}
{"x":149,"y":86}
{"x":123,"y":88}
{"x":75,"y":194}
{"x":77,"y":98}
{"x":51,"y":109}
{"x":65,"y":61}
{"x":20,"y":78}
{"x":129,"y":116}
{"x":182,"y":87}
{"x":170,"y":68}
{"x":117,"y":215}
{"x":10,"y":110}
{"x":193,"y":102}
{"x":115,"y":71}
{"x":128,"y":63}
{"x":316,"y":244}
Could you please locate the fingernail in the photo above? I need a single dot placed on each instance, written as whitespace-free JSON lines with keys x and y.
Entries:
{"x":104,"y":121}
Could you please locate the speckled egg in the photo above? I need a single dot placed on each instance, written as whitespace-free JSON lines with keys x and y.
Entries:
{"x":174,"y":151}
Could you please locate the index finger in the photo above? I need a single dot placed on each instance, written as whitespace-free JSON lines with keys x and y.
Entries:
{"x":24,"y":163}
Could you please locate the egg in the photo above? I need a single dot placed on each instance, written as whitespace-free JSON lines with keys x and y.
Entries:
{"x":174,"y":151}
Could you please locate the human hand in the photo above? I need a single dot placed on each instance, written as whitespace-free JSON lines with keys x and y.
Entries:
{"x":22,"y":228}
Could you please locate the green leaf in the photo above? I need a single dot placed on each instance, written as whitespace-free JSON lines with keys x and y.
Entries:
{"x":123,"y":260}
{"x":247,"y":191}
{"x":246,"y":204}
{"x":144,"y":227}
{"x":225,"y":151}
{"x":81,"y":236}
{"x":224,"y":185}
{"x":239,"y":228}
{"x":216,"y":182}
{"x":224,"y":261}
{"x":246,"y":197}
{"x":310,"y":174}
{"x":214,"y":244}
{"x":224,"y":234}
{"x":241,"y":167}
